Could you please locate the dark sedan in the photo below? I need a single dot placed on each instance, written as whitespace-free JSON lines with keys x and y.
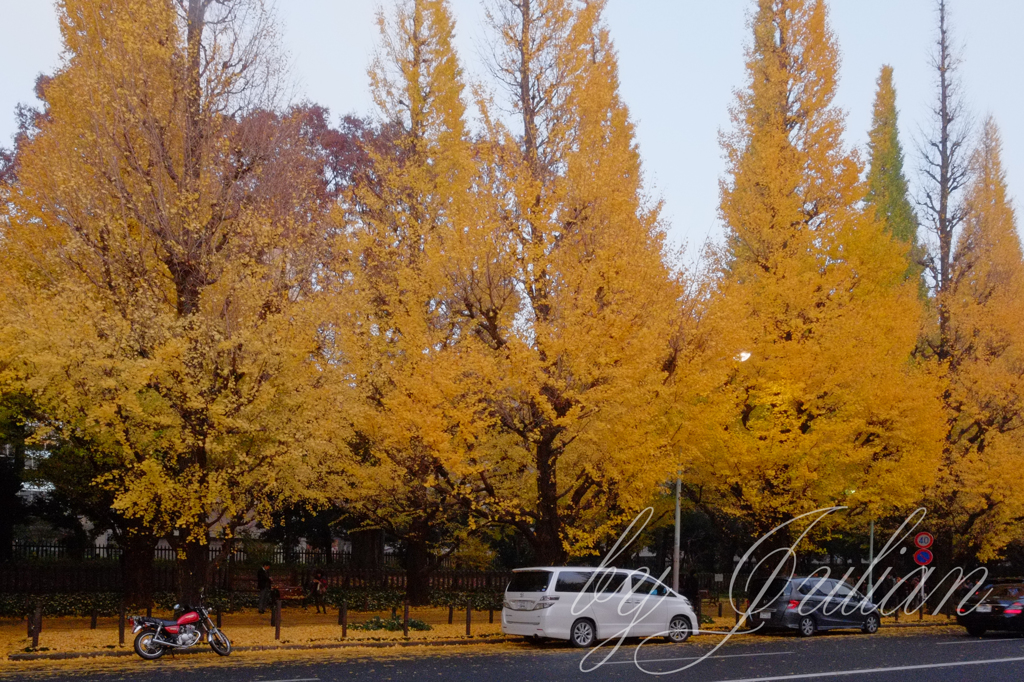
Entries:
{"x":810,"y":604}
{"x":1001,"y":609}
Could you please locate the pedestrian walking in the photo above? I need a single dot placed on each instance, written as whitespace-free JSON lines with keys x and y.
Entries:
{"x":264,"y":584}
{"x":317,"y":591}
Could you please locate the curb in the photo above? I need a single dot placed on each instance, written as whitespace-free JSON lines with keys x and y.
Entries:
{"x":309,"y":647}
{"x":920,"y":625}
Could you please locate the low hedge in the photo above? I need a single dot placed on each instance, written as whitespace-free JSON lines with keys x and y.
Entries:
{"x":108,"y":604}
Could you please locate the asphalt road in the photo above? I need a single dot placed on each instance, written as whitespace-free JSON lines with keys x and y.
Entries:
{"x":920,"y":656}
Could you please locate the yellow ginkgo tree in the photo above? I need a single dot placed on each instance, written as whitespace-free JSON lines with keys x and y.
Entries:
{"x":829,"y":408}
{"x":566,"y":297}
{"x":977,"y":501}
{"x":159,"y":243}
{"x":401,"y":343}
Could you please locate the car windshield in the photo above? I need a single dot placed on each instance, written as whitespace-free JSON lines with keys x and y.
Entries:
{"x":529,"y":581}
{"x":776,"y":589}
{"x":820,"y":587}
{"x":1003,"y":591}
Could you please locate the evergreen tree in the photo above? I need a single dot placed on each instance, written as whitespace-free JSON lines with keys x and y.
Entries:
{"x":887,"y":185}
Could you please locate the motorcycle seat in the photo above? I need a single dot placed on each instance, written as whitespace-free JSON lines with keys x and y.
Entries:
{"x":159,"y":621}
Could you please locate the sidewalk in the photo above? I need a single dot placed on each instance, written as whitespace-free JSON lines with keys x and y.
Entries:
{"x":248,"y":630}
{"x":69,"y":638}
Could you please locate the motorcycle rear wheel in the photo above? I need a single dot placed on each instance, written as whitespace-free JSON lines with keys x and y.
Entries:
{"x":145,"y":647}
{"x":220,"y":643}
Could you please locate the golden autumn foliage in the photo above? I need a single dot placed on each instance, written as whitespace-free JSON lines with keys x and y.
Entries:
{"x":157,"y":256}
{"x":573,"y":316}
{"x":400,"y":333}
{"x":513,"y":308}
{"x":978,"y":500}
{"x":829,"y":408}
{"x":482,"y":330}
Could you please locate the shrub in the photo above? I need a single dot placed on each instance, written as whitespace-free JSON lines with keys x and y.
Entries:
{"x":389,"y":624}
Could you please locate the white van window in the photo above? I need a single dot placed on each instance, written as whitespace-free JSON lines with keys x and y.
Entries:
{"x":573,"y":581}
{"x":608,"y":581}
{"x":529,"y":581}
{"x":645,"y":585}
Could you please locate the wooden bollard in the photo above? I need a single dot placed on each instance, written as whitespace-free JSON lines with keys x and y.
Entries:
{"x":220,"y":617}
{"x":36,"y":625}
{"x":120,"y":626}
{"x":92,"y":619}
{"x":343,"y":619}
{"x":469,"y":617}
{"x":490,"y":616}
{"x":405,"y":618}
{"x":451,"y":613}
{"x":277,"y":620}
{"x":149,"y":611}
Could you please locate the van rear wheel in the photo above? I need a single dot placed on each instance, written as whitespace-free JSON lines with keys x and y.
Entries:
{"x":582,"y":634}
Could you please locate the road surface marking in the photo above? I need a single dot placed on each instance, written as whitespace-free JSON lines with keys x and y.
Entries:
{"x":694,"y":658}
{"x":983,"y":641}
{"x":866,"y":671}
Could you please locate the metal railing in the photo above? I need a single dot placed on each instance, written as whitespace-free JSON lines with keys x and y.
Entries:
{"x":273,"y":554}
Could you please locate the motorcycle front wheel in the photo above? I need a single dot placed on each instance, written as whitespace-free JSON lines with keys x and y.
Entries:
{"x":220,"y":643}
{"x":146,"y":648}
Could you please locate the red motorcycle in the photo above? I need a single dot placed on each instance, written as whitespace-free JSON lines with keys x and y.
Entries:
{"x":156,"y":636}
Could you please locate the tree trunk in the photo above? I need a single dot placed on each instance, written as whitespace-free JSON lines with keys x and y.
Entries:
{"x":547,"y":539}
{"x":137,"y":567}
{"x":192,"y":572}
{"x":367,"y":549}
{"x":417,"y":571}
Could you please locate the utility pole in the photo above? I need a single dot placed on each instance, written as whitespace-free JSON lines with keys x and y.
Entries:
{"x":675,"y":546}
{"x":871,"y":560}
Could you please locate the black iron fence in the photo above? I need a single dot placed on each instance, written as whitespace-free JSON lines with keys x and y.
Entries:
{"x":21,"y":551}
{"x":60,"y":577}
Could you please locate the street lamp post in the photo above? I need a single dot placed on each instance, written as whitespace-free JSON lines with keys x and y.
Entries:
{"x":675,"y":551}
{"x":742,"y":356}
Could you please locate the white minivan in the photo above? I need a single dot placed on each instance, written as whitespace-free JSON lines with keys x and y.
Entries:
{"x":584,"y":605}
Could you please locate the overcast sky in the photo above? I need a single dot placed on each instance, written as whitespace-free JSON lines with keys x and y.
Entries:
{"x":679,"y":61}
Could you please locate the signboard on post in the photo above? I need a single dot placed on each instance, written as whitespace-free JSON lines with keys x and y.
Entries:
{"x":924,"y":540}
{"x":923,"y":557}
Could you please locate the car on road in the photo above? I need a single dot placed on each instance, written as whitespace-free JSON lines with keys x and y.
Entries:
{"x":810,"y":604}
{"x":995,"y":606}
{"x":584,"y":605}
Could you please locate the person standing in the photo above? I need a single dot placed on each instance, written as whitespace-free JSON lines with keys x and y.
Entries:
{"x":691,"y":590}
{"x":317,"y":591}
{"x":264,"y":584}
